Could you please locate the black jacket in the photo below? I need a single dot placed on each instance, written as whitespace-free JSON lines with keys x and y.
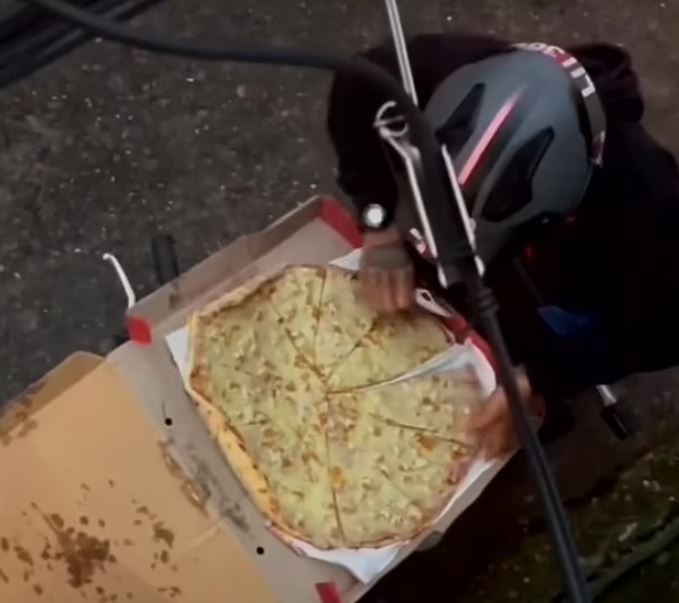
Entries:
{"x":617,"y":262}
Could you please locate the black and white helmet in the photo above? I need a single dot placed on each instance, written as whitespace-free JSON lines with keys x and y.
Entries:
{"x":524,"y":130}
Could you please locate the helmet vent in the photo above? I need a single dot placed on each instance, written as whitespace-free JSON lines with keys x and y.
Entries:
{"x":459,"y":127}
{"x":513,"y":190}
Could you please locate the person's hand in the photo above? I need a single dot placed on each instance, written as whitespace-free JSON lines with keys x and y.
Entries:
{"x":492,"y":422}
{"x":386,"y":272}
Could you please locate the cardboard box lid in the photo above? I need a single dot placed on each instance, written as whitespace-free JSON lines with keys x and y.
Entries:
{"x":90,"y":507}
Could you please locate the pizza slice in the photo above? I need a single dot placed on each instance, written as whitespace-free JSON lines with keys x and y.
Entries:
{"x":235,"y":348}
{"x":272,"y":377}
{"x":372,"y":510}
{"x":426,"y":469}
{"x":246,"y":337}
{"x":286,"y":474}
{"x":280,"y":458}
{"x":397,"y":343}
{"x":344,"y":320}
{"x":390,"y":481}
{"x":438,"y":405}
{"x":262,"y":402}
{"x":220,"y":371}
{"x":296,"y":298}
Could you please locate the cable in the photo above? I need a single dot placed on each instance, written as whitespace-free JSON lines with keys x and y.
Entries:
{"x":482,"y":298}
{"x":446,"y":225}
{"x":185,"y":48}
{"x":40,"y":36}
{"x":51,"y":42}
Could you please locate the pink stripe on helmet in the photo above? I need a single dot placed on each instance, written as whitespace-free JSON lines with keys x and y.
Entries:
{"x":487,"y":137}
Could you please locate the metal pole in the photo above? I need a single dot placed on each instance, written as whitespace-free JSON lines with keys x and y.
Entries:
{"x":401,"y":49}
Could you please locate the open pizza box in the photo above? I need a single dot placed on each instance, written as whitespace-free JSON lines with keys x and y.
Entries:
{"x":112,"y":489}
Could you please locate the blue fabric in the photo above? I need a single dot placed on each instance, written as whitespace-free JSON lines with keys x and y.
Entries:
{"x":566,"y":324}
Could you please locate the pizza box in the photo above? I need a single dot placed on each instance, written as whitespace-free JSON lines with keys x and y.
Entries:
{"x":93,"y":508}
{"x":112,"y":488}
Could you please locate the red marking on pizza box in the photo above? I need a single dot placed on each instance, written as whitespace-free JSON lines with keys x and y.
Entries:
{"x":327,"y":592}
{"x":340,"y":218}
{"x":138,"y":330}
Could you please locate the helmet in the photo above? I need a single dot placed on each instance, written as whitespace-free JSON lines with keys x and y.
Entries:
{"x":524,"y":130}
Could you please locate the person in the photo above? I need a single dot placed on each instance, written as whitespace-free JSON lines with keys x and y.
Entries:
{"x":586,"y":276}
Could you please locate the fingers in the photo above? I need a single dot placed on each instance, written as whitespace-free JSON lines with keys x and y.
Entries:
{"x":375,"y":287}
{"x":495,"y":440}
{"x":388,"y":291}
{"x":523,"y":383}
{"x":498,"y":441}
{"x":459,"y":470}
{"x":492,"y":422}
{"x":385,"y":291}
{"x":495,"y":409}
{"x":387,"y":274}
{"x":403,"y":286}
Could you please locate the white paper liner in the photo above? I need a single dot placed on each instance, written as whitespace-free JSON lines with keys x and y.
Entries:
{"x":366,"y":564}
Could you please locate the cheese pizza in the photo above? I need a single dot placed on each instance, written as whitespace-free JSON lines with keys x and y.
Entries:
{"x":297,"y":378}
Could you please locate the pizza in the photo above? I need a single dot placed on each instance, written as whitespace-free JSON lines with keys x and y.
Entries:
{"x":304,"y":386}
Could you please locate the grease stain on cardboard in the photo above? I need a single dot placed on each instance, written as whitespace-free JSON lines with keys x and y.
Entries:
{"x":18,"y":414}
{"x":162,"y":534}
{"x":83,"y":554}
